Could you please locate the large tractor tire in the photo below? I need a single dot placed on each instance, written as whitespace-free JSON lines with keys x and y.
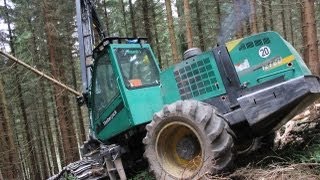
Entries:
{"x":188,"y":140}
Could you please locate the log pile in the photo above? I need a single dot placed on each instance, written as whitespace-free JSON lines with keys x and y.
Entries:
{"x":300,"y":130}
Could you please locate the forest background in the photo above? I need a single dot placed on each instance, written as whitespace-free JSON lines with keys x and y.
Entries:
{"x":41,"y":126}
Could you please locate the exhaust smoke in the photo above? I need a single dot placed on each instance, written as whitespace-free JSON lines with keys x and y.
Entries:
{"x":240,"y":11}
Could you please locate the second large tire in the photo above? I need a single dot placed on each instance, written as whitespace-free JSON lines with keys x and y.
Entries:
{"x":188,"y":140}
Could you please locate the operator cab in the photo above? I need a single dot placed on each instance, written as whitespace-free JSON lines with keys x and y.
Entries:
{"x":125,"y":86}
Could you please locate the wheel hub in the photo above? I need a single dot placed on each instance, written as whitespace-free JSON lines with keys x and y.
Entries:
{"x":188,"y":147}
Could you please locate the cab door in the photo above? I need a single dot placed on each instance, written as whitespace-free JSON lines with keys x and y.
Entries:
{"x":108,"y":111}
{"x":139,"y":79}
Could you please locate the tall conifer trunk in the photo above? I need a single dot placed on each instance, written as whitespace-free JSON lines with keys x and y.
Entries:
{"x":199,"y":25}
{"x":133,"y":22}
{"x":187,"y":18}
{"x":124,"y":17}
{"x":39,"y":141}
{"x":172,"y":35}
{"x":264,"y":16}
{"x":156,"y":34}
{"x":283,"y":18}
{"x":106,"y":18}
{"x":8,"y":151}
{"x":237,"y":8}
{"x":62,"y":101}
{"x":253,"y":17}
{"x":291,"y":27}
{"x":48,"y":125}
{"x":32,"y":155}
{"x":146,"y":20}
{"x":44,"y":105}
{"x":310,"y":31}
{"x":270,"y":14}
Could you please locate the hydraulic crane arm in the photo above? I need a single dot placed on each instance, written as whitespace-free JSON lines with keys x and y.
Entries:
{"x":87,"y":22}
{"x":14,"y":59}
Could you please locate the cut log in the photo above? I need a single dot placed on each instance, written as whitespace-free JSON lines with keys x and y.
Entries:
{"x":300,"y":130}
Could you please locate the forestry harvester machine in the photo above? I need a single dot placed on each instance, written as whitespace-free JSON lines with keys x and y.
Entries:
{"x":191,"y":119}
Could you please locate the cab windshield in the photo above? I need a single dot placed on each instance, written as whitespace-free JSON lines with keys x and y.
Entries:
{"x":138,"y":67}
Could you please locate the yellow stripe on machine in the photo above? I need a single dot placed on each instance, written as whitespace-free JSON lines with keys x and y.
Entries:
{"x":232,"y":44}
{"x":287,"y":59}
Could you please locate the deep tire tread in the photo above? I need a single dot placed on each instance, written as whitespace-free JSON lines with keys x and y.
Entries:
{"x":216,"y":132}
{"x":217,"y":136}
{"x":222,"y":143}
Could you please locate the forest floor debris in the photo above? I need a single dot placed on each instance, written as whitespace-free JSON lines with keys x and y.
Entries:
{"x":305,"y":171}
{"x":294,"y":155}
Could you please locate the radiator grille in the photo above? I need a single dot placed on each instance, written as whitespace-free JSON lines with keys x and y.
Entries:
{"x":196,"y":78}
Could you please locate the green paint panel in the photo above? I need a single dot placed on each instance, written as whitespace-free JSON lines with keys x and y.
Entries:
{"x":265,"y":56}
{"x":143,"y":103}
{"x":169,"y":88}
{"x":118,"y":124}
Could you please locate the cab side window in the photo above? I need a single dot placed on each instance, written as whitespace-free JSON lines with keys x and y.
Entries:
{"x":105,"y":87}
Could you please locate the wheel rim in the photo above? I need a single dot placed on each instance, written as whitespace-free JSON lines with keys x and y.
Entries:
{"x":179,"y":149}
